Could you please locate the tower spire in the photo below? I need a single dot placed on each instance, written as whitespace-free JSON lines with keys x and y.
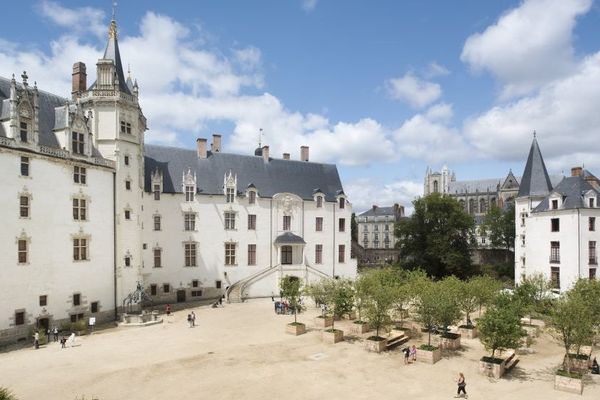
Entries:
{"x":535,"y":180}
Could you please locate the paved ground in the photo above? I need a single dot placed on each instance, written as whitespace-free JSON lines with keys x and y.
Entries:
{"x":241,"y":352}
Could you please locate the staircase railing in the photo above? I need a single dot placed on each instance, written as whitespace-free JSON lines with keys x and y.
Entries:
{"x":243,"y":283}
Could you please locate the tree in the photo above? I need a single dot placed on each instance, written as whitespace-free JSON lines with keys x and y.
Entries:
{"x":485,"y":289}
{"x":499,"y":226}
{"x":354,"y":228}
{"x":380,"y":287}
{"x":500,"y":327}
{"x":426,"y":304}
{"x":437,"y":237}
{"x":6,"y":394}
{"x":316,"y":290}
{"x":339,"y":296}
{"x":291,"y":289}
{"x":361,"y":294}
{"x":589,"y":290}
{"x":534,"y":293}
{"x":467,"y":299}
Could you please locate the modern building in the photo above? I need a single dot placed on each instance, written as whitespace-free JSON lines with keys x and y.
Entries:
{"x":556,"y":233}
{"x":94,"y":219}
{"x":376,"y":234}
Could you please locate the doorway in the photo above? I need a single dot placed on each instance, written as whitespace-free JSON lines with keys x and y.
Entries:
{"x":286,"y":254}
{"x":43,"y":323}
{"x":181,"y":296}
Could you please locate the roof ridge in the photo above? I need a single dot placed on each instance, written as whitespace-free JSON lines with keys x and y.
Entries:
{"x":39,"y":90}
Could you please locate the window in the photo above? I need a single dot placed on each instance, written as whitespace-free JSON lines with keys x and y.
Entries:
{"x":23,"y":131}
{"x":22,"y":251}
{"x":435,"y":186}
{"x":195,"y":283}
{"x":24,"y":207}
{"x":77,"y":143}
{"x":190,"y":254}
{"x":156,"y":190}
{"x":166,"y":288}
{"x":79,"y":175}
{"x":189,"y":193}
{"x":128,"y":261}
{"x":555,"y":252}
{"x":252,"y":197}
{"x":77,"y":299}
{"x":189,"y":221}
{"x":125,"y":127}
{"x":342,"y":203}
{"x":157,"y":222}
{"x":523,"y":216}
{"x":386,"y":228}
{"x":153,"y":289}
{"x":76,"y":317}
{"x":554,"y":204}
{"x":94,"y":307}
{"x":251,"y":222}
{"x":126,"y":160}
{"x":592,"y":223}
{"x":555,"y":225}
{"x":251,"y":254}
{"x":319,"y":254}
{"x":319,"y":201}
{"x":229,"y":253}
{"x":230,"y":195}
{"x":342,"y":224}
{"x":287,"y":222}
{"x":24,"y":166}
{"x":319,"y":224}
{"x":157,"y":258}
{"x":127,"y":214}
{"x":20,"y":318}
{"x":555,"y":277}
{"x":376,"y":228}
{"x":127,"y":184}
{"x":80,"y":249}
{"x":79,"y":209}
{"x":592,"y":273}
{"x":591,"y":202}
{"x":196,"y":293}
{"x":341,"y":253}
{"x":43,"y":301}
{"x":218,"y":284}
{"x":592,"y":252}
{"x":229,"y":220}
{"x":286,"y":255}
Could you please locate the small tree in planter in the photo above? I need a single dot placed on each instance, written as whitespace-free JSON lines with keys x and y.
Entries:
{"x":380,"y":285}
{"x":361,"y":297}
{"x":291,"y":289}
{"x":339,"y":297}
{"x":447,"y":312}
{"x":534,"y":293}
{"x":426,"y":304}
{"x":485,"y":289}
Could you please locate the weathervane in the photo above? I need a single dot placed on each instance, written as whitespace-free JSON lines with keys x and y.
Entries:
{"x":114,"y":9}
{"x":260,"y":137}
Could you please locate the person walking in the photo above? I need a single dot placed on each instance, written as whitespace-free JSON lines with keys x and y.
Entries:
{"x":168,"y":309}
{"x":413,"y":353}
{"x":55,"y":332}
{"x":189,"y":320}
{"x":193,"y":319}
{"x":462,"y":384}
{"x":36,"y":340}
{"x":406,"y":352}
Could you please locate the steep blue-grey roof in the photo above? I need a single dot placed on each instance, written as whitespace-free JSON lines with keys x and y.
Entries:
{"x":112,"y":53}
{"x":478,"y":185}
{"x":378,"y":212}
{"x":535,"y":181}
{"x":269,"y":178}
{"x":289,"y":238}
{"x":572,"y":189}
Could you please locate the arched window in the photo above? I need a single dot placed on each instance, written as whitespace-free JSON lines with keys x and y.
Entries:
{"x":435,"y":187}
{"x":463,"y":205}
{"x":482,"y":206}
{"x":472,"y":206}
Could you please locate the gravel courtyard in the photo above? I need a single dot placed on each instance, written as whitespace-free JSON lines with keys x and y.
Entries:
{"x":241,"y":352}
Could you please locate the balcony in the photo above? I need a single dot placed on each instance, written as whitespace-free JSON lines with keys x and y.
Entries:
{"x":555,"y":259}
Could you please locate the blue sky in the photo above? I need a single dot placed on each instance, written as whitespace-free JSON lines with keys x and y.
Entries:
{"x":383,"y":89}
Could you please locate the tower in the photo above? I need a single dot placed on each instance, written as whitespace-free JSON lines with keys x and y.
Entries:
{"x":118,"y":127}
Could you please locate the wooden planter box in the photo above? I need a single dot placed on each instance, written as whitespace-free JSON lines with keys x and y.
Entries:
{"x":333,"y":337}
{"x":490,"y":369}
{"x":580,"y":364}
{"x":468,"y":333}
{"x":321,"y":322}
{"x":376,"y":346}
{"x":566,"y":384}
{"x":360,"y":328}
{"x":446,"y":343}
{"x":429,"y":356}
{"x":351,"y":315}
{"x":295,"y":329}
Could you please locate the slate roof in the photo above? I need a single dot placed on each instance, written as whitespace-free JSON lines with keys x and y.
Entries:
{"x":289,"y":238}
{"x":378,"y":212}
{"x":478,"y":185}
{"x":535,"y":181}
{"x":112,"y":53}
{"x":572,"y":189}
{"x":269,"y":178}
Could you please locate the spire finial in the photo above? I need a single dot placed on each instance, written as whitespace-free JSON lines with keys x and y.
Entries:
{"x":24,"y":77}
{"x":260,"y":132}
{"x":114,"y":10}
{"x":112,"y":30}
{"x":128,"y":70}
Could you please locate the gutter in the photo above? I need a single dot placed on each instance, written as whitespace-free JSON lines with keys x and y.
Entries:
{"x":115,"y":243}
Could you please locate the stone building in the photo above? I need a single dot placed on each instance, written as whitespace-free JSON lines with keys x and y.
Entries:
{"x":376,"y":234}
{"x":94,"y":218}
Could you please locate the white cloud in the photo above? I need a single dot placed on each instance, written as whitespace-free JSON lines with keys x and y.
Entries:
{"x":528,"y":46}
{"x":309,"y":5}
{"x":364,"y":193}
{"x":81,"y":20}
{"x":434,"y":70}
{"x":413,"y":90}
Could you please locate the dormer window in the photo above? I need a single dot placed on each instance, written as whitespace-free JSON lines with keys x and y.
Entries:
{"x":189,"y":193}
{"x":319,"y":201}
{"x":77,"y":143}
{"x":342,"y":203}
{"x":591,"y":202}
{"x":230,"y":194}
{"x":555,"y":204}
{"x":252,"y":197}
{"x":24,"y":130}
{"x":156,"y":190}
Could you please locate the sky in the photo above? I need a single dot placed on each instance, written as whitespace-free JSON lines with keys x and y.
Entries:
{"x":383,"y":89}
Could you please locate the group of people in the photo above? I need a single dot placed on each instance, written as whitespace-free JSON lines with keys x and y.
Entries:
{"x":410,"y":354}
{"x":54,"y":333}
{"x":191,"y":318}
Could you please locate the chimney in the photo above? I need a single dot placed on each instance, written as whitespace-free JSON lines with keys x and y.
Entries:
{"x":201,"y":145}
{"x":265,"y":153}
{"x":216,"y":144}
{"x":286,"y":156}
{"x":592,"y":181}
{"x":374,"y":207}
{"x":79,"y":81}
{"x":576,"y":171}
{"x":304,"y":153}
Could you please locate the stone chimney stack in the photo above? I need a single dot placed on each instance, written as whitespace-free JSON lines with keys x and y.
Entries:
{"x":374,"y":207}
{"x":286,"y":156}
{"x":576,"y":171}
{"x":201,"y":145}
{"x":79,"y":81}
{"x":304,"y":153}
{"x":216,"y":144}
{"x":265,"y":153}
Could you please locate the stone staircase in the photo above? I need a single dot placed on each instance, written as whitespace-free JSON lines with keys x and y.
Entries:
{"x":397,"y":338}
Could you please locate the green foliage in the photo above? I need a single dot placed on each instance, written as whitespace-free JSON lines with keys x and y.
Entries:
{"x":447,"y":311}
{"x":338,"y":295}
{"x":381,"y":286}
{"x":353,"y":228}
{"x":467,"y":298}
{"x":534,"y":293}
{"x":426,"y":304}
{"x":499,"y":226}
{"x":500,"y":327}
{"x":361,"y":294}
{"x":6,"y":394}
{"x":437,"y":237}
{"x":316,"y":291}
{"x":484,"y":289}
{"x":291,"y":290}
